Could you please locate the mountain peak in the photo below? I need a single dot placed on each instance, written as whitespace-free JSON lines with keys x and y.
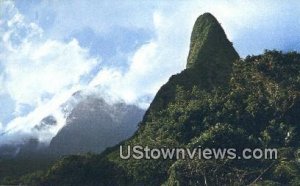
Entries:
{"x":209,"y":63}
{"x":210,"y":49}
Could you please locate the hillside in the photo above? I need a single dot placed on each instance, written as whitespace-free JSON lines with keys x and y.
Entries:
{"x":218,"y":101}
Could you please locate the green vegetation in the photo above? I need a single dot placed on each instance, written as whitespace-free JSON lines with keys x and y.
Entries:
{"x":254,"y":104}
{"x":209,"y":62}
{"x":211,"y":53}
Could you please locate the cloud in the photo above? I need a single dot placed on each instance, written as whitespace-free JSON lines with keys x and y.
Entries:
{"x":23,"y":127}
{"x":38,"y":74}
{"x":41,"y":67}
{"x":151,"y":65}
{"x":34,"y":70}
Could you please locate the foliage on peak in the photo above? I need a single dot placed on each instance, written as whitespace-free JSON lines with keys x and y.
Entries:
{"x":211,"y":53}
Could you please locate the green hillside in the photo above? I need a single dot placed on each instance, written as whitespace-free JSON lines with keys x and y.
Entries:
{"x":218,"y":101}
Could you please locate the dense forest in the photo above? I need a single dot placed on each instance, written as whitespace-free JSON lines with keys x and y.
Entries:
{"x":218,"y":101}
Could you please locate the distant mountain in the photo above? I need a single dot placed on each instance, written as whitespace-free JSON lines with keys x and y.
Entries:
{"x":46,"y":126}
{"x":218,"y":101}
{"x":94,"y":125}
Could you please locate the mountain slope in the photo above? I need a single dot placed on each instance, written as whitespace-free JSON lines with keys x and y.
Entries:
{"x":94,"y":125}
{"x":255,"y":105}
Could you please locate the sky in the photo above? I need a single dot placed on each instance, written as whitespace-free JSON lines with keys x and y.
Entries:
{"x":119,"y":50}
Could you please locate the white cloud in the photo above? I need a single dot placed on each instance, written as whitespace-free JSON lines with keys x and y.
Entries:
{"x":40,"y":69}
{"x":24,"y":125}
{"x":38,"y":74}
{"x":36,"y":69}
{"x":151,"y":65}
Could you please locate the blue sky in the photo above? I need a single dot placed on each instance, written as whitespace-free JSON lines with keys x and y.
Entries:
{"x":126,"y":49}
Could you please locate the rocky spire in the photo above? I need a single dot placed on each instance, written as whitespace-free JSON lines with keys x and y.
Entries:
{"x":209,"y":62}
{"x":211,"y":53}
